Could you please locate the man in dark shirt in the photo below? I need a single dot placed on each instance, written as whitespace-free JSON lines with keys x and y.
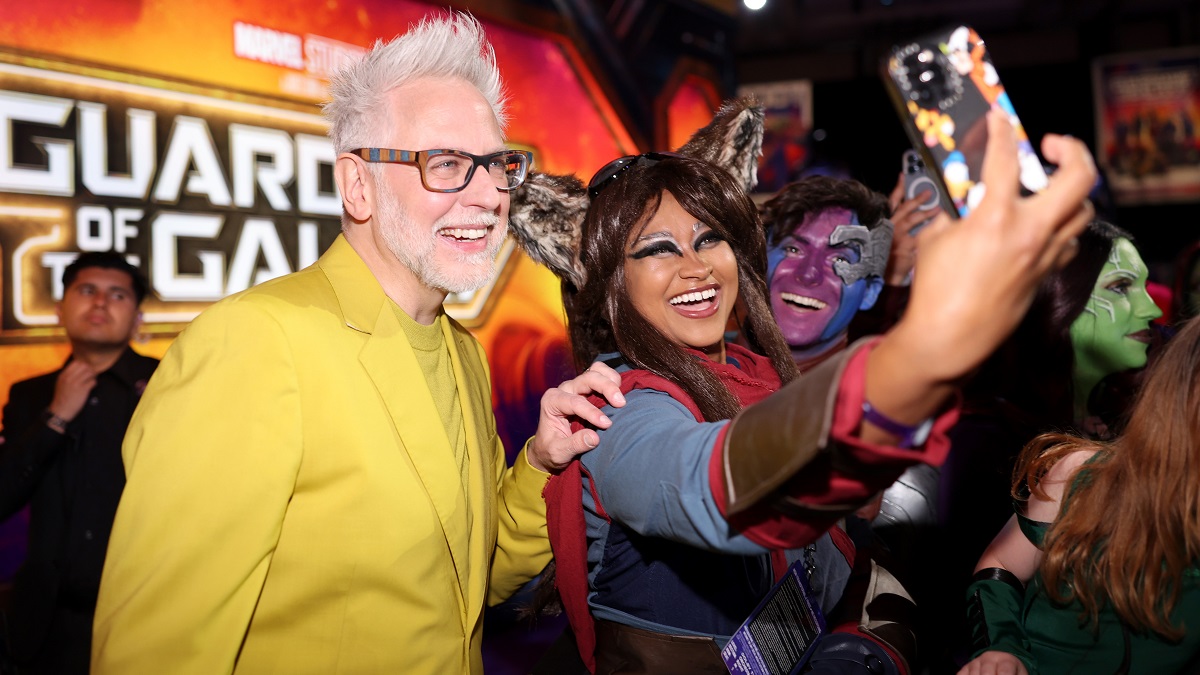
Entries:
{"x":60,"y":452}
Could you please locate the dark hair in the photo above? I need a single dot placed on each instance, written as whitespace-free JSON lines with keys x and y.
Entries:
{"x":1034,"y":368}
{"x":600,"y":315}
{"x":110,"y":260}
{"x":787,"y":210}
{"x":1181,"y":307}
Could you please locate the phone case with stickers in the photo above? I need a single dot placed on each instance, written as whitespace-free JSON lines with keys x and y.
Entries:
{"x":943,"y":85}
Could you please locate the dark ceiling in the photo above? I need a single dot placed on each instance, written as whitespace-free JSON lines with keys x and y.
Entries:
{"x":842,"y":39}
{"x":1043,"y":48}
{"x":636,"y":45}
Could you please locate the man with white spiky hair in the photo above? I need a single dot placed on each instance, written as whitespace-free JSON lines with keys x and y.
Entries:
{"x":315,"y":484}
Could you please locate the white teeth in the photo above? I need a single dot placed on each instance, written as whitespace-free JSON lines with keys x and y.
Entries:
{"x":694,"y":296}
{"x":803,"y":301}
{"x":459,"y":233}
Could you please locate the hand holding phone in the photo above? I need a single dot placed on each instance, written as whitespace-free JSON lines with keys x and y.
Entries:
{"x":943,"y":85}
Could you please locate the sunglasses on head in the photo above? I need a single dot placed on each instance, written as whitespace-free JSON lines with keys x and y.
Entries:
{"x":609,"y":172}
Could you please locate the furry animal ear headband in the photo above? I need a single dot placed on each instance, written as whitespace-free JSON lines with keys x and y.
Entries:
{"x":546,"y":214}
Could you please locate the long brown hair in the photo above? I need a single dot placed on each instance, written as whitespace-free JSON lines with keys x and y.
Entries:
{"x":601,"y":317}
{"x":1130,"y":522}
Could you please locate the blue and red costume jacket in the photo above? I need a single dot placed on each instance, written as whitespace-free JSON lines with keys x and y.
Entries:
{"x":640,"y":529}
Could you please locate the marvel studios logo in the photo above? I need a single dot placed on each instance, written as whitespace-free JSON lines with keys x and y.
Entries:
{"x":312,"y":54}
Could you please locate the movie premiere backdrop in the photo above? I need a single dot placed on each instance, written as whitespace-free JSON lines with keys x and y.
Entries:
{"x":1147,"y":115}
{"x":187,"y":136}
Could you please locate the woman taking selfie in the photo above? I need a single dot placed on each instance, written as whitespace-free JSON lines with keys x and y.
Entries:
{"x":723,"y":466}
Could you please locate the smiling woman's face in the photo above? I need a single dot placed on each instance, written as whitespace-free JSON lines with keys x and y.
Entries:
{"x":1112,"y":333}
{"x":681,"y":276}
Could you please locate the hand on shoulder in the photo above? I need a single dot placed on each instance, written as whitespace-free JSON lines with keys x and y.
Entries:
{"x":554,"y":445}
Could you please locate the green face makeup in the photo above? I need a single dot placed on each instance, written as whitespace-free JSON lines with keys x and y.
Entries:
{"x":1112,"y":333}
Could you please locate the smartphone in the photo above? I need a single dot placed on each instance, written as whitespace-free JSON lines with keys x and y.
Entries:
{"x":943,"y":85}
{"x":916,"y":181}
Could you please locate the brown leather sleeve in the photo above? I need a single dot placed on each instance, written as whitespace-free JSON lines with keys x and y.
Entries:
{"x":769,"y":442}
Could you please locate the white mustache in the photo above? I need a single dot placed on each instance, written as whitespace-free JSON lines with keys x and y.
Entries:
{"x":486,"y":219}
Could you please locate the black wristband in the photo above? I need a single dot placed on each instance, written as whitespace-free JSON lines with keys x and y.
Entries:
{"x":55,"y":422}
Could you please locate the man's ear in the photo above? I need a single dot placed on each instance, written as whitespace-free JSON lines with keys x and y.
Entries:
{"x":874,"y":286}
{"x":135,"y":332}
{"x":355,"y":186}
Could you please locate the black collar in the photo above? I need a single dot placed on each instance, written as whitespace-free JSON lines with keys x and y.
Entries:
{"x":124,"y":368}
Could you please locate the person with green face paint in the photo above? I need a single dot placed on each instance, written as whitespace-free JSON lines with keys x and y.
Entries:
{"x":1113,"y":332}
{"x":1089,"y":320}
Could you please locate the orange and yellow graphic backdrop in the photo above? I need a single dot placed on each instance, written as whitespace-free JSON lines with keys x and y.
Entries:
{"x":690,"y":101}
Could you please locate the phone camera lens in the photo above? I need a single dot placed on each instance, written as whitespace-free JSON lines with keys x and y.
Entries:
{"x":930,"y":85}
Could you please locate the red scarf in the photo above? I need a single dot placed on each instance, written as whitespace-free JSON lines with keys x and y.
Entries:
{"x":752,"y":382}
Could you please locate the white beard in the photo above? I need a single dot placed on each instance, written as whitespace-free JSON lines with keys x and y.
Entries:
{"x":418,"y":251}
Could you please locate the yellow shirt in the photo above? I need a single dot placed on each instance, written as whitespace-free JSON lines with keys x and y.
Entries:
{"x":429,"y":346}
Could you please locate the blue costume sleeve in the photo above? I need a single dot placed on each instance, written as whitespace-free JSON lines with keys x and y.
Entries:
{"x":651,"y":473}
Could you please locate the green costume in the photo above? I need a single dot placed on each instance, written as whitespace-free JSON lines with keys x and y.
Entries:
{"x":1050,"y":639}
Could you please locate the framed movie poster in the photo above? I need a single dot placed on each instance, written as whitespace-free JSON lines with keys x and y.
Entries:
{"x":1147,"y":113}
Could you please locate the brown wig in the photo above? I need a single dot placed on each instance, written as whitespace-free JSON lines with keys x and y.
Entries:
{"x":1129,"y":525}
{"x":600,"y":315}
{"x":787,"y":210}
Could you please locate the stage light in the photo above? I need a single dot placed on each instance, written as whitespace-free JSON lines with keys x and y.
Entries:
{"x":754,"y":5}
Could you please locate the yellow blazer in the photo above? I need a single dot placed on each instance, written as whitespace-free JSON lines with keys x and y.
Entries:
{"x":293,"y":504}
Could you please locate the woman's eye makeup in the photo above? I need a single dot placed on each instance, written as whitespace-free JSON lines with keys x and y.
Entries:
{"x":706,"y":239}
{"x":709,"y":238}
{"x":657,"y":248}
{"x":1120,"y":286}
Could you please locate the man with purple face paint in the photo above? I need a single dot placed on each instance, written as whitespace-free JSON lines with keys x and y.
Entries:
{"x":823,"y":263}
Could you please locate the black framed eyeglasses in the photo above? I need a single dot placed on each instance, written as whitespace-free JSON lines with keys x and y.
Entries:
{"x":609,"y":172}
{"x":452,"y":170}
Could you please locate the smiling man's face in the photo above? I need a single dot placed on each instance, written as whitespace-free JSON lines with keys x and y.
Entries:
{"x":813,"y":305}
